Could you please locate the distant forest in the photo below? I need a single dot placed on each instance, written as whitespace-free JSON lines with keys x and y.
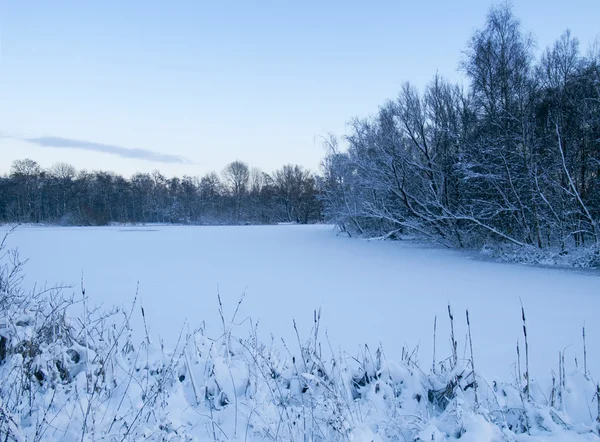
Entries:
{"x":239,"y":195}
{"x":514,"y":158}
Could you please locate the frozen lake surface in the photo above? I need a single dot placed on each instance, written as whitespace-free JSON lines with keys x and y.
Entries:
{"x":369,"y":292}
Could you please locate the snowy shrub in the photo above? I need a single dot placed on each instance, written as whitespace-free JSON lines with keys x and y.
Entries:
{"x":580,"y":257}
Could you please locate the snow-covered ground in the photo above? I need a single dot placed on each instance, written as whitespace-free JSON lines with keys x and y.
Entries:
{"x":369,"y":292}
{"x":63,"y":377}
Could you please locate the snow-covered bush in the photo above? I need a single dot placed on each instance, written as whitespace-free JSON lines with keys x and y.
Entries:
{"x":579,"y":257}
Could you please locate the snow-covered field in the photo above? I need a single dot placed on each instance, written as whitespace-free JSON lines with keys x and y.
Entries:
{"x":368,"y":292}
{"x":66,"y":378}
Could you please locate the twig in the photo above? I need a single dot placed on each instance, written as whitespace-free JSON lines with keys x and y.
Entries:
{"x":452,"y":340}
{"x":143,"y":315}
{"x":527,"y":374}
{"x":189,"y":369}
{"x":598,"y":402}
{"x":585,"y":370}
{"x":434,"y":332}
{"x":472,"y":360}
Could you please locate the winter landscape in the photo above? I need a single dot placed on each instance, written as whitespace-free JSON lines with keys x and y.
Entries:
{"x":431,"y":274}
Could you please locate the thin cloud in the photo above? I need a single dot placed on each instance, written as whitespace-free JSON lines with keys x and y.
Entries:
{"x":124,"y":152}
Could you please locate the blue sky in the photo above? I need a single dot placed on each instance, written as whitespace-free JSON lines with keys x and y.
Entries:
{"x":188,"y":86}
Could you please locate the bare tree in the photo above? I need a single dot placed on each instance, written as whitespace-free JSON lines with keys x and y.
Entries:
{"x":237,"y":176}
{"x":26,"y":174}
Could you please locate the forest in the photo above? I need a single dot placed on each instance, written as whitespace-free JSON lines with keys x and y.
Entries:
{"x":239,"y":195}
{"x":512,"y":158}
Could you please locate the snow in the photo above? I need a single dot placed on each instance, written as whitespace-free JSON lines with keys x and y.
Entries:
{"x":225,"y":382}
{"x":369,"y":292}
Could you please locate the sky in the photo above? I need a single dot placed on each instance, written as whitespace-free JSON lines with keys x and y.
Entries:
{"x":189,"y":86}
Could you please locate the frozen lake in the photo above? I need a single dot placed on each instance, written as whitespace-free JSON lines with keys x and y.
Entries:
{"x":369,"y":292}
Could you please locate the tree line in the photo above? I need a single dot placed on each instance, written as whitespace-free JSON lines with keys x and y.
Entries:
{"x":239,"y":195}
{"x":514,"y":157}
